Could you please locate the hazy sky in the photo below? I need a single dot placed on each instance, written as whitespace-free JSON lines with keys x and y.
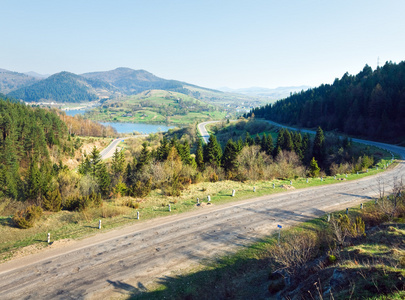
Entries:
{"x":209,"y":43}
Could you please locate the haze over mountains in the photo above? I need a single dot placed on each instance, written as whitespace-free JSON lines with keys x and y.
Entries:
{"x":277,"y":93}
{"x":69,"y":87}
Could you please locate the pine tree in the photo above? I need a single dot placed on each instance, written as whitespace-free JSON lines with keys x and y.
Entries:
{"x":144,"y":157}
{"x":199,"y":156}
{"x":164,"y":149}
{"x":103,"y":179}
{"x":95,"y":159}
{"x":213,"y":152}
{"x":34,"y":181}
{"x":52,"y":200}
{"x":319,"y":150}
{"x":118,"y":162}
{"x":229,"y":159}
{"x":257,"y":140}
{"x":313,"y":168}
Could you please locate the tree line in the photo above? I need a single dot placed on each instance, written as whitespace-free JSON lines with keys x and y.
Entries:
{"x":369,"y":104}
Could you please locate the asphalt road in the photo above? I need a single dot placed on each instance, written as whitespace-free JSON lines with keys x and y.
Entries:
{"x":110,"y":149}
{"x":203,"y":131}
{"x":128,"y":259}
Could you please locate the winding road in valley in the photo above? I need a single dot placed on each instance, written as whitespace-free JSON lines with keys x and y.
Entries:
{"x":110,"y":149}
{"x":127,"y":259}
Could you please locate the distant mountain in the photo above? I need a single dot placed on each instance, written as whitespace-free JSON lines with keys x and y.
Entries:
{"x":37,"y":75}
{"x":129,"y":81}
{"x":62,"y":87}
{"x":10,"y":81}
{"x":277,"y":93}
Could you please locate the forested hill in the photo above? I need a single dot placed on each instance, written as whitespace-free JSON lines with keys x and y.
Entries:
{"x":61,"y":87}
{"x":370,"y":104}
{"x":26,"y":135}
{"x":130,"y":81}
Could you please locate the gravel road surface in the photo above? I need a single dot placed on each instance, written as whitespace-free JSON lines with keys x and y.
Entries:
{"x":129,"y":258}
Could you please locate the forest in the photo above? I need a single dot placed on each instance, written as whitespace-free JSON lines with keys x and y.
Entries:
{"x":370,"y":104}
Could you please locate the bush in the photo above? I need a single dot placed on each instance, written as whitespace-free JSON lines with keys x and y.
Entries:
{"x":141,"y":189}
{"x":27,"y":217}
{"x":80,"y":203}
{"x":52,"y":201}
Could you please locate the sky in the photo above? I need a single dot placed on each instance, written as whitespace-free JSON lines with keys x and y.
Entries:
{"x":213,"y":44}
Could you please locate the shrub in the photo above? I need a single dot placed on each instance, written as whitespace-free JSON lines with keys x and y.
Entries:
{"x":214,"y":177}
{"x":27,"y":217}
{"x":52,"y":200}
{"x":80,"y":203}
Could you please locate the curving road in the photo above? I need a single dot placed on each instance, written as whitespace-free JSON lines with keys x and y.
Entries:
{"x":110,"y":149}
{"x":128,"y":259}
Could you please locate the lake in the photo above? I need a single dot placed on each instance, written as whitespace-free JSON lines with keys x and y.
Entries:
{"x":138,"y":127}
{"x":125,"y":127}
{"x":73,"y":112}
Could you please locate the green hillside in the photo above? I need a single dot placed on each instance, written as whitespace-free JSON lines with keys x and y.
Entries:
{"x":370,"y":104}
{"x":157,"y":106}
{"x":10,"y":81}
{"x":61,"y":87}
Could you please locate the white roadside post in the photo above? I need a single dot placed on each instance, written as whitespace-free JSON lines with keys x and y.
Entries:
{"x":307,"y":180}
{"x":49,"y":238}
{"x":274,"y":186}
{"x":209,"y":198}
{"x":198,"y":200}
{"x":233,"y":193}
{"x":361,"y":205}
{"x":328,"y":218}
{"x":99,"y":224}
{"x":254,"y":189}
{"x":137,"y":215}
{"x":347,"y":211}
{"x":170,"y":208}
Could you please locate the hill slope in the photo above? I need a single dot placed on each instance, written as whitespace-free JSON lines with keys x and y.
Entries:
{"x":10,"y":81}
{"x":370,"y":104}
{"x":130,"y":81}
{"x":62,"y":87}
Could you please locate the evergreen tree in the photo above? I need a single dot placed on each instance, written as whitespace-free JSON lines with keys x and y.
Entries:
{"x":34,"y":182}
{"x":319,"y":150}
{"x":95,"y":159}
{"x":213,"y":152}
{"x":249,"y":141}
{"x":118,"y":162}
{"x":280,"y":141}
{"x":288,"y":141}
{"x":313,"y":168}
{"x":229,"y":159}
{"x":306,"y":148}
{"x":257,"y":140}
{"x":52,"y":200}
{"x":144,"y":157}
{"x":297,"y":139}
{"x":163,"y":150}
{"x":199,"y":156}
{"x":103,"y":179}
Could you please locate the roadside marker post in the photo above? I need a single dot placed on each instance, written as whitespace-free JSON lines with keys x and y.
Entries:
{"x":99,"y":224}
{"x":307,"y":180}
{"x":170,"y":209}
{"x":328,"y":218}
{"x":49,"y":238}
{"x":198,"y":200}
{"x":347,"y":211}
{"x":274,"y":186}
{"x":233,"y":193}
{"x":254,"y":189}
{"x":290,"y":182}
{"x":209,"y":198}
{"x":361,"y":205}
{"x":137,"y":215}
